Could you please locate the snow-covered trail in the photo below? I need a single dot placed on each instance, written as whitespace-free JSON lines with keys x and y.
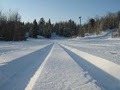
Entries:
{"x":61,"y":72}
{"x":65,"y":64}
{"x":105,"y":72}
{"x":15,"y":75}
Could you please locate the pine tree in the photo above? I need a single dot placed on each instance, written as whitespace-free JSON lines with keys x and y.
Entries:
{"x":47,"y":30}
{"x":34,"y":30}
{"x":41,"y":26}
{"x":20,"y":33}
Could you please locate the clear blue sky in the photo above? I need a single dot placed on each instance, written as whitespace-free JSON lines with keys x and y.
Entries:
{"x":60,"y":10}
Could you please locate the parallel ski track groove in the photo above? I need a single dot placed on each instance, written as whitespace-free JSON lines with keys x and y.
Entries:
{"x":87,"y":66}
{"x":38,"y":72}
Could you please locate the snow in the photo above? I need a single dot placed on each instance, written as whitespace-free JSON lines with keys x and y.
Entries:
{"x":38,"y":72}
{"x":101,"y":47}
{"x":56,"y":37}
{"x":103,"y":35}
{"x":18,"y":72}
{"x":60,"y":74}
{"x":99,"y":68}
{"x":89,"y":63}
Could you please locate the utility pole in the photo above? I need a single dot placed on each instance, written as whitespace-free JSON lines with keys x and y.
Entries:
{"x":81,"y":32}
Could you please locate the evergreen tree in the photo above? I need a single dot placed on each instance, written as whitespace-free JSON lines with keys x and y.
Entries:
{"x":66,"y":29}
{"x":34,"y":30}
{"x":47,"y":31}
{"x":92,"y":25}
{"x":41,"y":26}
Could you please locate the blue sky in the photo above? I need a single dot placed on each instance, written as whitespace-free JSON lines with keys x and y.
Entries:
{"x":60,"y":10}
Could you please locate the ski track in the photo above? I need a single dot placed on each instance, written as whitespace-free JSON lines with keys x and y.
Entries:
{"x":108,"y":49}
{"x":37,"y":73}
{"x":105,"y":72}
{"x":61,"y":72}
{"x":61,"y":64}
{"x":12,"y":50}
{"x":15,"y":75}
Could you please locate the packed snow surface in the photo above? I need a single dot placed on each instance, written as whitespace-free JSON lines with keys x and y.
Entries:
{"x":90,"y":63}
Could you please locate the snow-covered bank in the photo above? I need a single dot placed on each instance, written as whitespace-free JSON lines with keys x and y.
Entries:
{"x":103,"y":35}
{"x":105,"y":72}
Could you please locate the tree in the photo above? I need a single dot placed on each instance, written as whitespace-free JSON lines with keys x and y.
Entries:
{"x":47,"y":30}
{"x":91,"y":25}
{"x":3,"y":23}
{"x":66,"y":29}
{"x":41,"y":26}
{"x":13,"y":28}
{"x":34,"y":30}
{"x":27,"y":26}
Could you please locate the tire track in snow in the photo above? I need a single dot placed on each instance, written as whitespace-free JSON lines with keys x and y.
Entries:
{"x":37,"y":73}
{"x":61,"y":72}
{"x":15,"y":75}
{"x":105,"y":72}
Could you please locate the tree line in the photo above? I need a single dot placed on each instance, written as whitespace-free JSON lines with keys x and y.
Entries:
{"x":12,"y":29}
{"x":98,"y":24}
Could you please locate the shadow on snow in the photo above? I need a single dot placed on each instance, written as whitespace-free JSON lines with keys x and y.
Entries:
{"x":15,"y":75}
{"x":103,"y":79}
